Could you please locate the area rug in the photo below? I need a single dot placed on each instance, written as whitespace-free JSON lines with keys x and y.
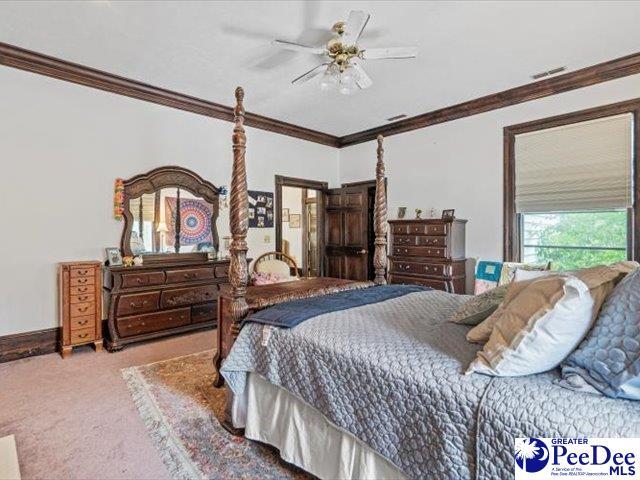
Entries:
{"x":180,"y":408}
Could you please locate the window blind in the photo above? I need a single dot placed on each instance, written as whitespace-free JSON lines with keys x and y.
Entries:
{"x":582,"y":166}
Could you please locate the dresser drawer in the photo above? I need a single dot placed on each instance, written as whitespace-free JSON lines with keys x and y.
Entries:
{"x":80,"y":281}
{"x":188,"y":275}
{"x":82,"y":309}
{"x":186,"y":296}
{"x":419,"y":252}
{"x":400,"y":229}
{"x":427,"y":282}
{"x":434,"y":269}
{"x":79,"y":323}
{"x":222,"y":271}
{"x":431,"y":240}
{"x":142,"y":279}
{"x":83,"y":297}
{"x":138,"y":303}
{"x":204,"y":313}
{"x":82,"y":272}
{"x":437,"y":229}
{"x":153,"y":322}
{"x":404,"y":240}
{"x":83,"y":336}
{"x":82,"y":289}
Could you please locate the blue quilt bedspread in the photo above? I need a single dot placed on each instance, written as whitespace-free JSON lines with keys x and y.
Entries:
{"x":290,"y":314}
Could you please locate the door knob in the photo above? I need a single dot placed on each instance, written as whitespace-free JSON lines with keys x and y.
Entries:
{"x":362,"y":252}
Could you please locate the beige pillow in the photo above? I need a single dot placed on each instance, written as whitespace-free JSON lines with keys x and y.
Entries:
{"x":538,"y":328}
{"x":600,"y":280}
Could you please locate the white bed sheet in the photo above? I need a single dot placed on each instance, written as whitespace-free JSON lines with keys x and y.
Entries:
{"x":304,"y":436}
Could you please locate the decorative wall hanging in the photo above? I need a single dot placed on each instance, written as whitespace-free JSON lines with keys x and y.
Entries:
{"x":118,"y":199}
{"x":195,"y":221}
{"x":260,"y":209}
{"x":285,"y":215}
{"x":294,"y":220}
{"x":223,"y":192}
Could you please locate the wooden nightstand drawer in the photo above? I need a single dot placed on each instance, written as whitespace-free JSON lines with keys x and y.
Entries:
{"x":138,"y":303}
{"x":82,"y":289}
{"x":79,"y":323}
{"x":82,"y":272}
{"x":85,"y":335}
{"x":79,"y":281}
{"x":82,"y":309}
{"x":82,"y":298}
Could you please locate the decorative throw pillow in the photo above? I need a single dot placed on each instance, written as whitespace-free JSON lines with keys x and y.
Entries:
{"x":538,"y":328}
{"x":509,"y":270}
{"x":275,"y":266}
{"x":262,"y":278}
{"x":487,"y":276}
{"x":609,"y":358}
{"x":479,"y":307}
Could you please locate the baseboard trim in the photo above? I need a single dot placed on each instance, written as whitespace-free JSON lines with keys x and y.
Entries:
{"x":29,"y":344}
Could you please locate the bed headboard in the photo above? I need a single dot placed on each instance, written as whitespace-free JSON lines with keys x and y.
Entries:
{"x":239,"y":219}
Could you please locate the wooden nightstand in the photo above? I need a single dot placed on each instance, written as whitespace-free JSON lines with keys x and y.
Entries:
{"x":80,"y":301}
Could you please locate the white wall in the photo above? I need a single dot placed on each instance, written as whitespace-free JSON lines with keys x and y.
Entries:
{"x":458,"y":164}
{"x":62,"y":146}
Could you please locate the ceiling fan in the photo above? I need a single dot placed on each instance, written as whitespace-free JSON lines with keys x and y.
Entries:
{"x":342,"y":69}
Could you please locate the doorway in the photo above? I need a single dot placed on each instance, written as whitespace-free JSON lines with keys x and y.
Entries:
{"x":299,"y":220}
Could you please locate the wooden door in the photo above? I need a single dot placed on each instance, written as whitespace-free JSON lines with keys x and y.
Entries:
{"x":346,"y":232}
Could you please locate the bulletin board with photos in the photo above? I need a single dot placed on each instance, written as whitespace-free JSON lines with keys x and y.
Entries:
{"x":260,"y":209}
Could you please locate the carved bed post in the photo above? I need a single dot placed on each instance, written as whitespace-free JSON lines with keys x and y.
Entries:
{"x":380,"y":220}
{"x":238,"y":219}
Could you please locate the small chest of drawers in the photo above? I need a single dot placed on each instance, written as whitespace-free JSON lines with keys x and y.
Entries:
{"x":428,"y":252}
{"x":80,"y":302}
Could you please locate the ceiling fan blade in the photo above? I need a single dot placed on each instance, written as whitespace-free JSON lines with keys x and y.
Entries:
{"x":354,"y":26}
{"x":391,"y":52}
{"x":310,"y":74}
{"x":364,"y":80}
{"x":297,"y":47}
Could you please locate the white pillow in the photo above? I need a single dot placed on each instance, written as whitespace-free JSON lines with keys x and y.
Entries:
{"x":277,"y":267}
{"x":523,"y":275}
{"x":537,"y":329}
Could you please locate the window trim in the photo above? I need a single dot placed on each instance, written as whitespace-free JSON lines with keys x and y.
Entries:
{"x":512,"y":221}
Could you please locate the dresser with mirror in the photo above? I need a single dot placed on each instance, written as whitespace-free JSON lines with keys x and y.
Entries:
{"x":170,"y":218}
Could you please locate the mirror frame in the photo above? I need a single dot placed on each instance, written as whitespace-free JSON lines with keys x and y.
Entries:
{"x":168,"y":177}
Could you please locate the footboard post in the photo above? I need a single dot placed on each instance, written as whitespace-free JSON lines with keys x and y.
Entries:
{"x":380,"y":220}
{"x":239,"y":224}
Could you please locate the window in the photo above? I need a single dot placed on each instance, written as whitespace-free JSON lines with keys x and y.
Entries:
{"x":569,"y":188}
{"x":575,"y":239}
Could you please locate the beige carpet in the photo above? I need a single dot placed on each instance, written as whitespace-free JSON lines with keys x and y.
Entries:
{"x":181,"y":411}
{"x":74,"y":418}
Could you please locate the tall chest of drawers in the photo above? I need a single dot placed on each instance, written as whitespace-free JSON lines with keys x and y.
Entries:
{"x":152,"y":301}
{"x":428,"y":252}
{"x":80,"y":304}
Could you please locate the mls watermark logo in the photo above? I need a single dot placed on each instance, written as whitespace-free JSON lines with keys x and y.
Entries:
{"x":531,"y":454}
{"x":578,"y":458}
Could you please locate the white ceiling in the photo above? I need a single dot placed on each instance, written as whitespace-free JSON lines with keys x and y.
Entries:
{"x":205,"y":49}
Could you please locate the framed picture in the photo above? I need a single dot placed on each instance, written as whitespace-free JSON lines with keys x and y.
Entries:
{"x":260,"y":209}
{"x":114,"y":257}
{"x":294,"y":220}
{"x":285,"y":214}
{"x":448,"y":214}
{"x":402,"y":211}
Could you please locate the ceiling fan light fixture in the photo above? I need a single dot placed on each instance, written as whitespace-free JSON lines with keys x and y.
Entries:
{"x":348,"y":81}
{"x":330,"y":79}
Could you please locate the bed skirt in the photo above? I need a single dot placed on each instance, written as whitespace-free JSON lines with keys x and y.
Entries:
{"x":304,"y":436}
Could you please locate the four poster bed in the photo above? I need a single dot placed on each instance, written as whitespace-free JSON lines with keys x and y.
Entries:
{"x":365,"y":380}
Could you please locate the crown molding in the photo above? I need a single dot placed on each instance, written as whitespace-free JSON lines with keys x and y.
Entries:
{"x":602,"y":72}
{"x":20,"y":58}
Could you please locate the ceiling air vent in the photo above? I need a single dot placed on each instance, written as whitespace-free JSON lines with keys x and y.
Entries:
{"x":553,"y":71}
{"x":397,"y":117}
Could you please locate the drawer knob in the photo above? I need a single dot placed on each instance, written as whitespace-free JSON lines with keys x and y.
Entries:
{"x":82,"y":289}
{"x":83,"y":309}
{"x":83,"y":322}
{"x":189,"y":275}
{"x":139,"y":280}
{"x":138,"y":305}
{"x":82,"y":280}
{"x":142,"y":324}
{"x":83,"y":298}
{"x":83,"y":335}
